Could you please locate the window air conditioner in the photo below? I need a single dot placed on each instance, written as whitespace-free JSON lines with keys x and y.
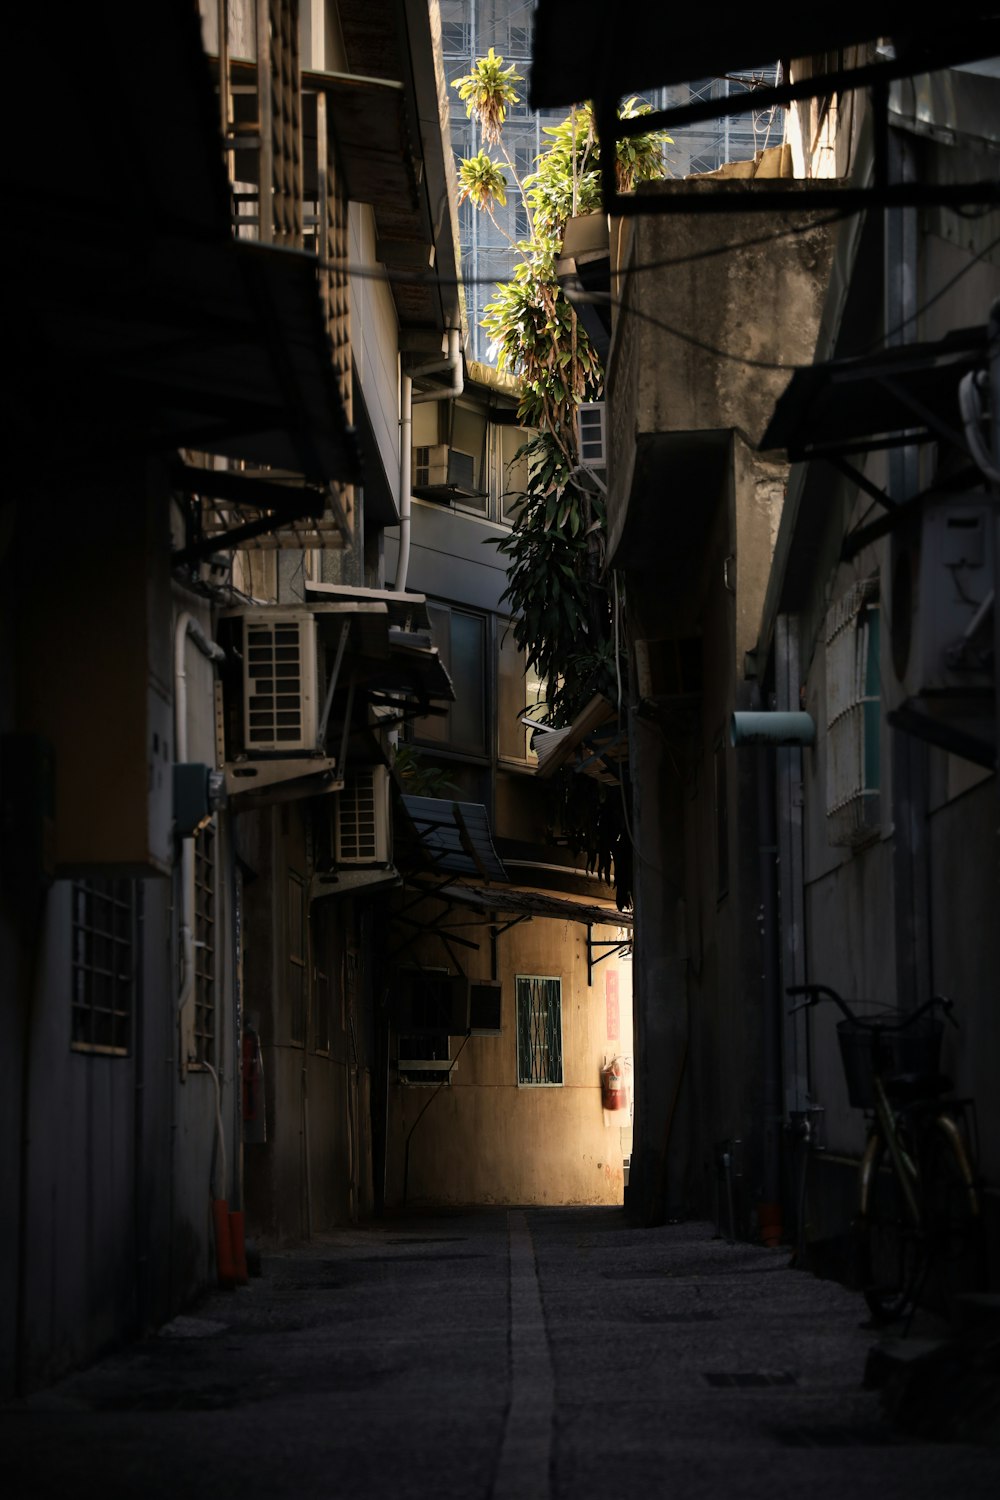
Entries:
{"x":362,"y":827}
{"x":444,"y":473}
{"x":943,"y":582}
{"x":593,"y":435}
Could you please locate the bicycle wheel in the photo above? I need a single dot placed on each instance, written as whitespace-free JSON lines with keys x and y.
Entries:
{"x":956,"y":1241}
{"x":891,"y":1251}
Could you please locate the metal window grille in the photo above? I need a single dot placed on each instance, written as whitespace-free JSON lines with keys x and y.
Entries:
{"x":103,"y":972}
{"x":204,"y":945}
{"x":853,"y":712}
{"x":296,"y":967}
{"x":320,"y":924}
{"x":539,"y":1030}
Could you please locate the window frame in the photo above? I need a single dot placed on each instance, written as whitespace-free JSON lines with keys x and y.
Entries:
{"x":86,"y":937}
{"x":853,"y":716}
{"x":549,"y":1082}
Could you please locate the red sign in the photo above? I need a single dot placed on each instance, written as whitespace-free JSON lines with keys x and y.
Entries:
{"x":611,"y":999}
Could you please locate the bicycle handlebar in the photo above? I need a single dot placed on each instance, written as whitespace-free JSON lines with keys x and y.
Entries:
{"x":814,"y":993}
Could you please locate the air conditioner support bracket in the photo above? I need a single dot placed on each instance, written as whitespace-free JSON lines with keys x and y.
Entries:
{"x":910,"y":720}
{"x":254,"y":776}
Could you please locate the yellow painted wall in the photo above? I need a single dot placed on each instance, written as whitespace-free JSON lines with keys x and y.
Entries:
{"x":484,"y":1139}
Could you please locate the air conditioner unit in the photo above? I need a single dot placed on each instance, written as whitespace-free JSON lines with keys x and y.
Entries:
{"x":362,"y":824}
{"x":280,"y":682}
{"x":593,"y":434}
{"x":943,"y":582}
{"x":441,"y":472}
{"x":272,"y":698}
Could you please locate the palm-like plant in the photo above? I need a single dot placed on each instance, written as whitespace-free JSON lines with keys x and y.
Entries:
{"x":488,"y":91}
{"x":481,"y":181}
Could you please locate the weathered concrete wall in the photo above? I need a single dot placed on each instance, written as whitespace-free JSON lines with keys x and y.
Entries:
{"x":718,"y":333}
{"x":484,"y":1138}
{"x":106,"y":1159}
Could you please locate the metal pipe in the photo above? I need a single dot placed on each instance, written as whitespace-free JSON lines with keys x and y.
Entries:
{"x":767,"y":855}
{"x":771,"y":728}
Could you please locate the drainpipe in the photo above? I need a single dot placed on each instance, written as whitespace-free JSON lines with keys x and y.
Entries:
{"x":452,"y":363}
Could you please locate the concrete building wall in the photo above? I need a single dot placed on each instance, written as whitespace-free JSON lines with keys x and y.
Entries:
{"x":487,"y":1139}
{"x":108,"y":1162}
{"x":375,"y":343}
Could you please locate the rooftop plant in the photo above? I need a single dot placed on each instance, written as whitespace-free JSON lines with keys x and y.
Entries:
{"x":555,"y":550}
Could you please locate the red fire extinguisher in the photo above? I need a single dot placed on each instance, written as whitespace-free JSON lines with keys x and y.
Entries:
{"x":614,"y":1088}
{"x":254,"y":1117}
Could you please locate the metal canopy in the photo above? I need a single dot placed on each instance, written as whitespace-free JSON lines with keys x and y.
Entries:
{"x":586,"y":49}
{"x":583,"y":50}
{"x":454,"y":837}
{"x":594,"y":744}
{"x":905,"y":394}
{"x":516,"y":902}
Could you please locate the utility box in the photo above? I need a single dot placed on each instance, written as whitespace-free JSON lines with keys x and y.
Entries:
{"x":94,"y":665}
{"x":941,"y":608}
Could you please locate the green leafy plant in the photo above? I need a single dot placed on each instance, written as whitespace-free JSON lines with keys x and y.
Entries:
{"x":416,"y":777}
{"x":488,"y":91}
{"x":555,"y":550}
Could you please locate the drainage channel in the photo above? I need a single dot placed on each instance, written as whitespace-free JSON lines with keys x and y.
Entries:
{"x":526,"y":1451}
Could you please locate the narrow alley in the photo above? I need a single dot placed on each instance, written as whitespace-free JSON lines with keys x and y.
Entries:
{"x":552,"y":1352}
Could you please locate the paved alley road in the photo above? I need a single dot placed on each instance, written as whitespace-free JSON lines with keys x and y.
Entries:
{"x":550,"y":1353}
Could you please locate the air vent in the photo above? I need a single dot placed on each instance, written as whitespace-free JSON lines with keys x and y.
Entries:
{"x":362,"y":818}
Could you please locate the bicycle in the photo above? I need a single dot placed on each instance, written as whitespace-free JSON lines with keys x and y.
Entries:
{"x":919,"y":1225}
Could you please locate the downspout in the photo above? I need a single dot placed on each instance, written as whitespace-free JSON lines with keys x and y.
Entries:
{"x":452,"y":364}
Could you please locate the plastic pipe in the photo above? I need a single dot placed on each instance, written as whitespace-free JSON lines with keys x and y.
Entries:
{"x":774,"y":728}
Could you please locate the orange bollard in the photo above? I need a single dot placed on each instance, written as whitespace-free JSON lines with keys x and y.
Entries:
{"x":223,"y":1243}
{"x":238,"y":1247}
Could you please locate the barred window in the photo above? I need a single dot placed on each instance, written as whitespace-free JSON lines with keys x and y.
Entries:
{"x":853,"y":715}
{"x":103,"y":979}
{"x":204,"y":945}
{"x":539,"y":1030}
{"x":323,"y":955}
{"x":296,"y":968}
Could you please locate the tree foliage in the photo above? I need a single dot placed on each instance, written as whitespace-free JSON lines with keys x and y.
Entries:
{"x":555,"y":551}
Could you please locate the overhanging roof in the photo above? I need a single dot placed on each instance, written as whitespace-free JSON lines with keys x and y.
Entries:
{"x":514,"y":902}
{"x":874,"y":400}
{"x":371,"y":135}
{"x":587,"y":49}
{"x":136,"y":323}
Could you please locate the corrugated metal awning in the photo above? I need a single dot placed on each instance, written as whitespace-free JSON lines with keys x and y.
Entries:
{"x":511,"y":902}
{"x":594,"y":744}
{"x":454,"y":837}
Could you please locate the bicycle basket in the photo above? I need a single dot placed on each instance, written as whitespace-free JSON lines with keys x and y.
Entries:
{"x":867,"y":1050}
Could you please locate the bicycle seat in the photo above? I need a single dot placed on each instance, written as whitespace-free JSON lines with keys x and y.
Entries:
{"x":908,"y":1088}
